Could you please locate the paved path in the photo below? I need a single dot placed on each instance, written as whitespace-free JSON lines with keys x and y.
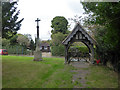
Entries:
{"x":79,"y":78}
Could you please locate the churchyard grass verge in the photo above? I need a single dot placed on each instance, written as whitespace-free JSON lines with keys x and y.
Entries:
{"x":101,"y":77}
{"x":23,"y":72}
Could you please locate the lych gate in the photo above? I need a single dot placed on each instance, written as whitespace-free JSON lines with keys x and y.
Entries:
{"x":79,"y":35}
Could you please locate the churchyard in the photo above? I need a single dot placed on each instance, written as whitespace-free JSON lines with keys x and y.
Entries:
{"x":86,"y":56}
{"x":22,"y":72}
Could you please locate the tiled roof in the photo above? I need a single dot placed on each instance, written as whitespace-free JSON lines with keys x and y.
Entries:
{"x":78,"y":27}
{"x":45,"y":44}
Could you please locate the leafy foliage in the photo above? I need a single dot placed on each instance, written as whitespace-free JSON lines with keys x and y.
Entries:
{"x":105,"y":14}
{"x":59,"y":32}
{"x":107,"y":17}
{"x":18,"y":44}
{"x":10,"y":23}
{"x":5,"y":42}
{"x":57,"y":48}
{"x":58,"y":38}
{"x":16,"y":49}
{"x":28,"y":36}
{"x":82,"y":49}
{"x":13,"y":40}
{"x":32,"y":45}
{"x":59,"y":24}
{"x":23,"y":40}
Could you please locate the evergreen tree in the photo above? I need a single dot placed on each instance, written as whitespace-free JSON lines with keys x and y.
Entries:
{"x":32,"y":45}
{"x":13,"y":40}
{"x":59,"y":32}
{"x":59,"y":24}
{"x":10,"y":23}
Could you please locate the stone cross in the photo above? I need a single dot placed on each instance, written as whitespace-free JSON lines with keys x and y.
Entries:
{"x":37,"y":53}
{"x":37,"y":27}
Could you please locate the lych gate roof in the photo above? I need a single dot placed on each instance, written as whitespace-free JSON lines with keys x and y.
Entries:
{"x":77,"y":28}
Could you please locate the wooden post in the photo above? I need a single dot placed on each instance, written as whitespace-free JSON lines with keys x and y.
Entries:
{"x":66,"y":54}
{"x":92,"y":54}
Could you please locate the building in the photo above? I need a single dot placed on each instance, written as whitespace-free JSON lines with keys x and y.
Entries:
{"x":45,"y":47}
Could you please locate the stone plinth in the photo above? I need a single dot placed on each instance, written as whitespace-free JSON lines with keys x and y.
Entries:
{"x":38,"y":53}
{"x":38,"y":56}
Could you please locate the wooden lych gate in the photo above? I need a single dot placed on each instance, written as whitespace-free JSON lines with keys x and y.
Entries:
{"x":78,"y":34}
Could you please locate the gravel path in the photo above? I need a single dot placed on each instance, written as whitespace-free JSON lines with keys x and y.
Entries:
{"x":79,"y":78}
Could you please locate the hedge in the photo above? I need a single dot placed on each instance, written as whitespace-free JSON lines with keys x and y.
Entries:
{"x":16,"y":49}
{"x":82,"y":49}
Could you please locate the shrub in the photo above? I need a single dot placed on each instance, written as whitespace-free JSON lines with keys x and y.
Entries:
{"x":58,"y":50}
{"x":16,"y":49}
{"x":82,"y":49}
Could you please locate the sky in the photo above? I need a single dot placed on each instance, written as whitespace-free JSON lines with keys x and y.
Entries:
{"x":46,"y":10}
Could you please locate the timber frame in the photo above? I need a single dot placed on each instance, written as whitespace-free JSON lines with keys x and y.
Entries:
{"x":78,"y":34}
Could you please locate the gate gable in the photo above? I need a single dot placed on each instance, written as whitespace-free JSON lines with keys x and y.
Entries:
{"x":78,"y":28}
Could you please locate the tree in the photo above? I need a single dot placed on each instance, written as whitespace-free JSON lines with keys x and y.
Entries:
{"x":106,"y":15}
{"x":59,"y":32}
{"x":23,"y":40}
{"x":5,"y":42}
{"x":76,"y":19}
{"x":59,"y":24}
{"x":58,"y":38}
{"x":10,"y":23}
{"x":32,"y":45}
{"x":13,"y":40}
{"x":46,"y":41}
{"x":57,"y":48}
{"x":28,"y":36}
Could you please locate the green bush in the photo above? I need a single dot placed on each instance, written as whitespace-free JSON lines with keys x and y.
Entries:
{"x":58,"y":50}
{"x":82,"y":49}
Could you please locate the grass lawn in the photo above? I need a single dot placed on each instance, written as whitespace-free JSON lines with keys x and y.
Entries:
{"x":101,"y":77}
{"x":23,"y":72}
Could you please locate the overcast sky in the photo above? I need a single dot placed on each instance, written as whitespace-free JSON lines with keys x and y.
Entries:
{"x":45,"y":10}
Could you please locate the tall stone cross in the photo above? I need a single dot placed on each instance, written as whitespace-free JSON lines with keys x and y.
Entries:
{"x":37,"y":53}
{"x":37,"y":27}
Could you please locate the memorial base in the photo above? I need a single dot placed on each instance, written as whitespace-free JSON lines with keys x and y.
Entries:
{"x":37,"y":56}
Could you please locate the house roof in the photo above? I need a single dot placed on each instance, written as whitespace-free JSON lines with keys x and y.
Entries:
{"x":78,"y":27}
{"x":45,"y":44}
